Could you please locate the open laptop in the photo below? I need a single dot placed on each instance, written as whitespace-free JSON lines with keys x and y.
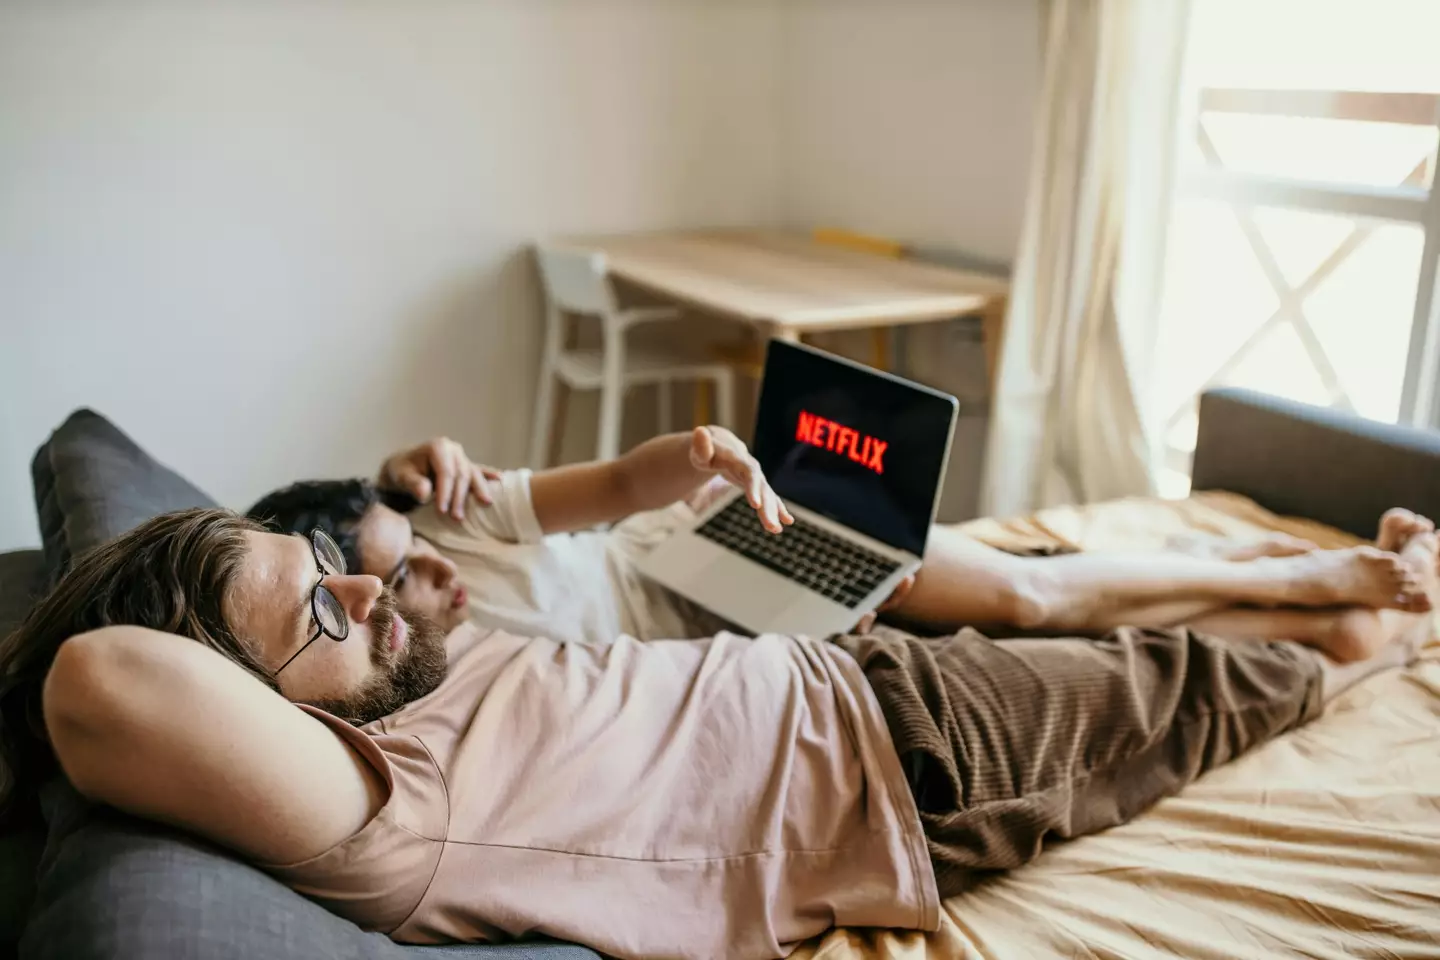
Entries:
{"x":858,"y":456}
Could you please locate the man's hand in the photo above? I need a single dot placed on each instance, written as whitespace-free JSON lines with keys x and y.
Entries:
{"x":897,"y":597}
{"x":659,"y":472}
{"x":719,"y":451}
{"x":438,"y":467}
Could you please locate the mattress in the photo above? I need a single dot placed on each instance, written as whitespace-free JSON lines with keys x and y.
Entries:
{"x":1323,"y":843}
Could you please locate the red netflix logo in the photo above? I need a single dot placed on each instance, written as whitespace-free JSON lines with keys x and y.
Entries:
{"x":840,"y":439}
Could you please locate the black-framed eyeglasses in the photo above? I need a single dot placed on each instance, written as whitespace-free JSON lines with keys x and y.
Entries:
{"x":325,"y":608}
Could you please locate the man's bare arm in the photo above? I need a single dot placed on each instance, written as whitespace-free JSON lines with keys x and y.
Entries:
{"x":163,"y":728}
{"x":655,"y":474}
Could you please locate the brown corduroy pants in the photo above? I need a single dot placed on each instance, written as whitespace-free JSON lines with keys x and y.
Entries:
{"x":1010,"y":743}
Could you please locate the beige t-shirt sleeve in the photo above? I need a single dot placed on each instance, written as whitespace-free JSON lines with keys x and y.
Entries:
{"x":378,"y":876}
{"x":510,"y":518}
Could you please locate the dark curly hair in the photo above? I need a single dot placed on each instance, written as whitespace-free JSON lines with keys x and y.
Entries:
{"x":334,"y":506}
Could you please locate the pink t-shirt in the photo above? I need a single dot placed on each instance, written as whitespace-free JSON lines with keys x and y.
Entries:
{"x":724,"y":797}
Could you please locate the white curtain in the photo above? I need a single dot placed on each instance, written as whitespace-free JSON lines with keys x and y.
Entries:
{"x":1068,"y":419}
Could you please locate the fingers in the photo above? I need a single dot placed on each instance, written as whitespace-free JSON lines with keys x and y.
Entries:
{"x":769,"y":510}
{"x":445,"y":479}
{"x":715,"y":448}
{"x":440,"y":467}
{"x":754,"y":484}
{"x":774,"y":515}
{"x":479,"y":489}
{"x":898,"y":595}
{"x":464,"y":477}
{"x":408,"y":477}
{"x":702,"y":448}
{"x":471,"y":481}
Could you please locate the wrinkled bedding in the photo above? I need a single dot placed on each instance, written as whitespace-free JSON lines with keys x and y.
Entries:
{"x":1324,"y":843}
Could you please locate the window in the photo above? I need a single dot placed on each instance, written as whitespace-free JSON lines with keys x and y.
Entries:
{"x":1305,"y":232}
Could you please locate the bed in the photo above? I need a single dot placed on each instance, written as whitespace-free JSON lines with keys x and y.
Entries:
{"x":1324,"y":843}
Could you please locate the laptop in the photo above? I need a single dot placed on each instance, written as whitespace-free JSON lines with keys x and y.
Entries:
{"x":859,"y":457}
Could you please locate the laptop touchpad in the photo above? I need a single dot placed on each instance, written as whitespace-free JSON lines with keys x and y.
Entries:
{"x":754,"y":594}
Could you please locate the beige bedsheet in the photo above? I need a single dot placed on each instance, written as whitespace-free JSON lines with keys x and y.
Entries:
{"x":1324,"y":843}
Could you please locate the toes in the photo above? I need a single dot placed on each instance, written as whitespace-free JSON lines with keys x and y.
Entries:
{"x":1392,"y":567}
{"x":1396,"y":515}
{"x":1423,"y":541}
{"x":1394,"y":528}
{"x":1389,"y":564}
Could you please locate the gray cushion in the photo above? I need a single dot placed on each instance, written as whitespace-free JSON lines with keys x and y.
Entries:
{"x":22,"y":578}
{"x":19,"y":854}
{"x":92,"y":482}
{"x":113,"y":886}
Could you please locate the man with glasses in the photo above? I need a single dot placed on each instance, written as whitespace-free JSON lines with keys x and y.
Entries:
{"x":417,"y":663}
{"x":726,"y":796}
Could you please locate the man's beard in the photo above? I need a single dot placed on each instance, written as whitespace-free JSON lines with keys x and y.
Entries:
{"x":402,"y":676}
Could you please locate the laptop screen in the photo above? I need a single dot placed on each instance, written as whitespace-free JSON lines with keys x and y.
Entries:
{"x":863,"y":448}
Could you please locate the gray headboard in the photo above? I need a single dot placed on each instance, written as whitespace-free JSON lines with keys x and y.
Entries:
{"x":1306,"y":461}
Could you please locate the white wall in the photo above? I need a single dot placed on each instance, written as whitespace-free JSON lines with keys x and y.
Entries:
{"x":912,"y":119}
{"x":909,"y":118}
{"x":275,"y":239}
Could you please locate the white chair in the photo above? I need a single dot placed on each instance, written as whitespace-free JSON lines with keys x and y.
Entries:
{"x":576,"y":283}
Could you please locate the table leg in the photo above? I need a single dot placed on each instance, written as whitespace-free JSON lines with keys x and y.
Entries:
{"x":880,"y":348}
{"x":663,"y":406}
{"x":992,"y":330}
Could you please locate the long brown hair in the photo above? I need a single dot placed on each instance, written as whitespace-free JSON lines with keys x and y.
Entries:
{"x":170,"y":573}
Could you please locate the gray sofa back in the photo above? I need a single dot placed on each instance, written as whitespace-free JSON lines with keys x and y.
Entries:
{"x":1306,"y":461}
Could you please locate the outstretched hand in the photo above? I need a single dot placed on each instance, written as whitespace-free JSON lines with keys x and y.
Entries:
{"x":897,"y":597}
{"x":721,"y":452}
{"x":439,"y":468}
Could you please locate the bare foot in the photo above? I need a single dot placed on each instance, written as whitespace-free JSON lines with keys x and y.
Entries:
{"x":1398,"y":525}
{"x":1422,"y":553}
{"x":1225,"y":548}
{"x":1359,"y":576}
{"x":1358,"y":634}
{"x":1397,"y":636}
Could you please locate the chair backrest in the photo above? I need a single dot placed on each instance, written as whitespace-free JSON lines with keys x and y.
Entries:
{"x":575,"y":280}
{"x":861,"y":242}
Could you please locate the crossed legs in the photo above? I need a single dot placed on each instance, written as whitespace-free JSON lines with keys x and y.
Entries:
{"x":1338,"y":600}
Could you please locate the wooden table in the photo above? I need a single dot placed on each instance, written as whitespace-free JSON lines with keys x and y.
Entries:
{"x":789,"y":286}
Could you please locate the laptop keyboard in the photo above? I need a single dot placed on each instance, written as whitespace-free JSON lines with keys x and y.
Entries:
{"x":805,"y":553}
